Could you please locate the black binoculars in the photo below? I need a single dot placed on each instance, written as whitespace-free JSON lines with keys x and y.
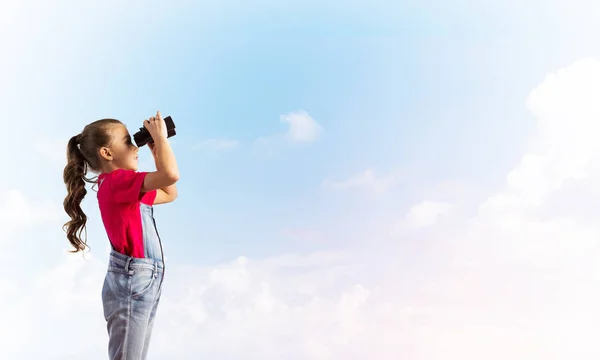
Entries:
{"x":143,"y":137}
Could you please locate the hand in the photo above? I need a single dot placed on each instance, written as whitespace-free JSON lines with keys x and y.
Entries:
{"x":156,"y":126}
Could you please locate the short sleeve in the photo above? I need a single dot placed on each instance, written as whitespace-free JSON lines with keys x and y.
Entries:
{"x":149,"y":197}
{"x":126,"y":185}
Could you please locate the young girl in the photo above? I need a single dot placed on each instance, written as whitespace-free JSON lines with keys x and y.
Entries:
{"x":133,"y":282}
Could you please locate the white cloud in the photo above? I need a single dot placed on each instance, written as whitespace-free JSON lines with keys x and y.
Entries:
{"x":522,"y":227}
{"x":367,"y":180}
{"x":425,"y":214}
{"x":303,"y":128}
{"x":270,"y":308}
{"x":218,"y":144}
{"x":518,"y":280}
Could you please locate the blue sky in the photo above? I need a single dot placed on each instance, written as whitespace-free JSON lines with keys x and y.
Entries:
{"x":424,"y":112}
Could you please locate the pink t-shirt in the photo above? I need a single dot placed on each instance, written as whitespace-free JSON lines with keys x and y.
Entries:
{"x":119,"y":197}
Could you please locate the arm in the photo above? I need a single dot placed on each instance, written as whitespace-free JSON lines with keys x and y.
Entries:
{"x":168,"y":193}
{"x":165,"y":195}
{"x":167,"y":172}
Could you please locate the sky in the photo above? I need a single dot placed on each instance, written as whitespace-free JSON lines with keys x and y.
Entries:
{"x":359,"y":180}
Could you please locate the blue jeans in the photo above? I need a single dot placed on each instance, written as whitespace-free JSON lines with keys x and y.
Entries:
{"x":130,"y":296}
{"x":131,"y":293}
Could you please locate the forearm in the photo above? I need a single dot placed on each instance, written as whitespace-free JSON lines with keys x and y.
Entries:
{"x":171,"y":190}
{"x":164,"y":158}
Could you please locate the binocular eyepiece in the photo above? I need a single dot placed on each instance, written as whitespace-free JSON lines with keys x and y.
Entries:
{"x":142,"y":137}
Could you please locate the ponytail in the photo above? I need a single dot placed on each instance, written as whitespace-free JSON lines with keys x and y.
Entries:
{"x":74,"y":177}
{"x":82,"y":154}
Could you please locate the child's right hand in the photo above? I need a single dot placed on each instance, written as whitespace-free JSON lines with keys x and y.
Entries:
{"x":156,"y":126}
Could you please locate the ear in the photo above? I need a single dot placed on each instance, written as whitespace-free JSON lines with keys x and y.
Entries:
{"x":106,"y":154}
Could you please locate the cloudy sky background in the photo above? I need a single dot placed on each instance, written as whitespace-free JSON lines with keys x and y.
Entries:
{"x":399,"y":180}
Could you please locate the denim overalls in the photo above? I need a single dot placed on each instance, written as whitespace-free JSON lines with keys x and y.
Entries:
{"x":131,"y":293}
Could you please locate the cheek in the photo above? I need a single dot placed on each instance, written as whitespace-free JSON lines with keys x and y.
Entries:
{"x":128,"y":149}
{"x":123,"y":152}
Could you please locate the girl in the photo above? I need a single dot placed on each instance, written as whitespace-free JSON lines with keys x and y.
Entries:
{"x":133,"y":282}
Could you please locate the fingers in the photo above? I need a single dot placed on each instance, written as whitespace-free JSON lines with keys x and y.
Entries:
{"x":158,"y":117}
{"x":153,"y":120}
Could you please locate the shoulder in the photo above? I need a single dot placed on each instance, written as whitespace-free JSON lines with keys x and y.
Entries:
{"x":125,"y":185}
{"x":119,"y":174}
{"x":124,"y":176}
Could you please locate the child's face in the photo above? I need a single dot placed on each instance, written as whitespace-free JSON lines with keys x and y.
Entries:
{"x":125,"y":153}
